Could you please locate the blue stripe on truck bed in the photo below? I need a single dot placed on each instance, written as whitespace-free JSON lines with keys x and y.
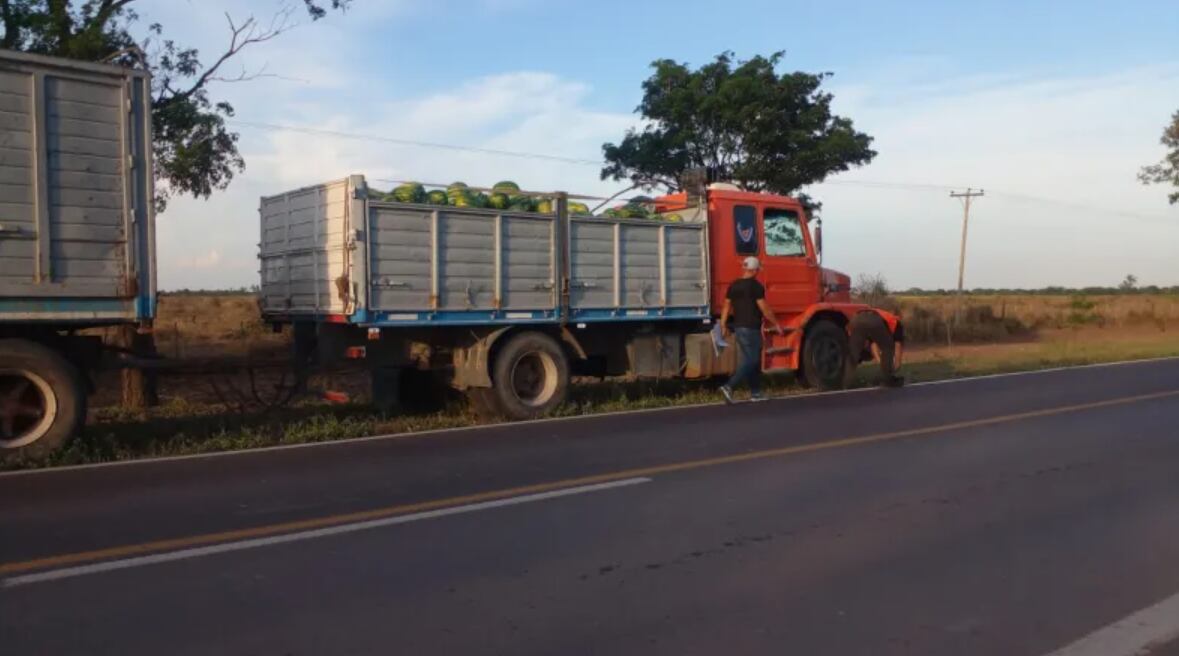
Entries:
{"x":80,"y":310}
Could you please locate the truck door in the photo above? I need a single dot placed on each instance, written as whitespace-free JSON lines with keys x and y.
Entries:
{"x":790,"y":272}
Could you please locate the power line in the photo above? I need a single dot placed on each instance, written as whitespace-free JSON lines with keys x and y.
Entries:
{"x":871,"y":184}
{"x":409,"y":142}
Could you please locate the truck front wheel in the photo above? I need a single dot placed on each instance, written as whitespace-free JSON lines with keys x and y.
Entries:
{"x":825,"y":356}
{"x":530,"y":376}
{"x":42,"y":399}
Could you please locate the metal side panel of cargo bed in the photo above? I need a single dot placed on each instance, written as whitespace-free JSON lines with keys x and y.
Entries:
{"x":76,"y":215}
{"x":331,"y":253}
{"x":637,"y":270}
{"x":449,"y":265}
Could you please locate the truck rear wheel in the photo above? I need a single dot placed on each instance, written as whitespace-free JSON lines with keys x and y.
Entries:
{"x":530,"y":376}
{"x":825,"y":356}
{"x":42,"y":399}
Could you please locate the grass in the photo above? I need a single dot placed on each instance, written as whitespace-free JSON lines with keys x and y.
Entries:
{"x":189,"y":423}
{"x":181,"y":427}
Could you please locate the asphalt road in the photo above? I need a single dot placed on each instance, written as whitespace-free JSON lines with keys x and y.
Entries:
{"x":1008,"y":515}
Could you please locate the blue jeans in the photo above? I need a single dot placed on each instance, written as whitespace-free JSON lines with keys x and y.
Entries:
{"x":748,"y":359}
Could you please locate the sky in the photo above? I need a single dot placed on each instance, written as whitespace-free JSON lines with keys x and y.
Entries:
{"x":1050,"y":107}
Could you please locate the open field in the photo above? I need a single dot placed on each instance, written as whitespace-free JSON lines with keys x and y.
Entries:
{"x":201,"y":414}
{"x":994,"y":318}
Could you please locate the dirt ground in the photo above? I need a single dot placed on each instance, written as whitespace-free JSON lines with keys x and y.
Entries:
{"x":1051,"y":329}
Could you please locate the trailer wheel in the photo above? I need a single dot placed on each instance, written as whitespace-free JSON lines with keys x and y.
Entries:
{"x":530,"y":376}
{"x":870,"y":327}
{"x":42,"y":399}
{"x":825,"y":356}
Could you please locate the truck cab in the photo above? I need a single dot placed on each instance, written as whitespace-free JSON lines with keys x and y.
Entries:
{"x":813,"y":303}
{"x":776,"y":230}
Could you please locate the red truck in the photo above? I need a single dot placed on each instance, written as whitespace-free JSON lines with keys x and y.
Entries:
{"x":511,"y":304}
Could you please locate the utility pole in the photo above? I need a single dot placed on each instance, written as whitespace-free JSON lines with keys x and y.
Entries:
{"x":966,"y":197}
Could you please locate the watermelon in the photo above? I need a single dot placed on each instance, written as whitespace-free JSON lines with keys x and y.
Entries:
{"x":579,"y":209}
{"x":410,"y":192}
{"x":455,"y":190}
{"x":437,"y":197}
{"x":506,"y":186}
{"x":479,"y":200}
{"x":632,"y":211}
{"x":499,"y":201}
{"x":461,"y":198}
{"x":520,"y":204}
{"x":544,"y":206}
{"x":674,"y":218}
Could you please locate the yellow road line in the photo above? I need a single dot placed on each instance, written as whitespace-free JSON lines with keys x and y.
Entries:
{"x":378,"y":513}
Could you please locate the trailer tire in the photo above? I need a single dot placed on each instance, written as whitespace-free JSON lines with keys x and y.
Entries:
{"x":825,"y":356}
{"x":870,"y":327}
{"x":530,"y":376}
{"x":42,"y":399}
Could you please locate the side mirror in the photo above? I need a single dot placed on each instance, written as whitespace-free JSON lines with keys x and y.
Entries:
{"x":819,"y":240}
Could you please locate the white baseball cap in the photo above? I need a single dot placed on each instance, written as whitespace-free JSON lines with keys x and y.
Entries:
{"x":751,"y":263}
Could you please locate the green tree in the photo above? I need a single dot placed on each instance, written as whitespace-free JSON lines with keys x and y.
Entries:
{"x":1166,"y":171}
{"x":762,"y":130}
{"x":195,"y":152}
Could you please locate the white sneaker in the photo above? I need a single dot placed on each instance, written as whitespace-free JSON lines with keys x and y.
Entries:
{"x":728,"y":394}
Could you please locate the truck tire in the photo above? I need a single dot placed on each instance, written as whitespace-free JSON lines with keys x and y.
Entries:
{"x":870,"y":327}
{"x":42,"y":399}
{"x":530,"y":376}
{"x":825,"y":356}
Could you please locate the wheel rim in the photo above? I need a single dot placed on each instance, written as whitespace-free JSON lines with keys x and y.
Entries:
{"x":828,"y":359}
{"x":534,"y":378}
{"x":28,"y":407}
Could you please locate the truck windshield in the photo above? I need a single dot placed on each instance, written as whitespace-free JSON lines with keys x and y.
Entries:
{"x":783,"y":233}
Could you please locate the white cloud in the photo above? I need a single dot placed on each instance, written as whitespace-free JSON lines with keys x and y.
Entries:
{"x":1079,"y":139}
{"x":520,"y":112}
{"x":1074,"y":138}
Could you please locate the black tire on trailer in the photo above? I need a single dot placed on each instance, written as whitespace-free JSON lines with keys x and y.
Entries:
{"x":870,"y":327}
{"x":824,"y":356}
{"x":42,"y":399}
{"x":530,"y":376}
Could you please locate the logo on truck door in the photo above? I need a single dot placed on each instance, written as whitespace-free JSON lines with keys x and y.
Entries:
{"x":745,"y":224}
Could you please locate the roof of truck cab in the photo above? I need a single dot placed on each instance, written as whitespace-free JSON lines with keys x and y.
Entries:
{"x":752,"y":197}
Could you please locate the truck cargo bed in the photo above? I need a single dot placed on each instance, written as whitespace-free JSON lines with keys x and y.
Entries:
{"x":76,"y":220}
{"x":329,"y":252}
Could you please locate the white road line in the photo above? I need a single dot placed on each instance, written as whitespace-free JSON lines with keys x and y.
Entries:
{"x":550,"y":420}
{"x":1133,"y":635}
{"x":1032,"y":372}
{"x":241,"y":545}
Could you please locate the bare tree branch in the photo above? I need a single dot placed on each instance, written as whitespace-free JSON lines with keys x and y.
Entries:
{"x":107,"y":9}
{"x":246,"y":76}
{"x":241,"y":36}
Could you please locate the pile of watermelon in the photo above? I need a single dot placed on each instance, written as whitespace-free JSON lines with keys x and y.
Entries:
{"x":506,"y":195}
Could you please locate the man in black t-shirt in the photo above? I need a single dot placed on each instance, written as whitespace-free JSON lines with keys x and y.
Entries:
{"x":746,"y":303}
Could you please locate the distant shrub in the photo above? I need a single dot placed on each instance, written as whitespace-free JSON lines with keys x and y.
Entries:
{"x":976,"y":323}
